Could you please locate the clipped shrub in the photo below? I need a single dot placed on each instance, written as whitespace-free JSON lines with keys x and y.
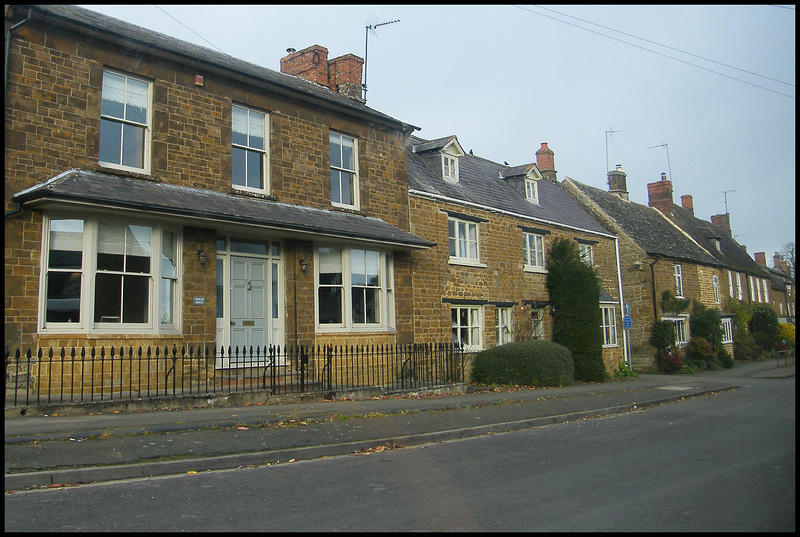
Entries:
{"x":662,"y":335}
{"x":745,"y":348}
{"x":700,"y":349}
{"x":524,"y":363}
{"x":669,"y":361}
{"x":725,"y":358}
{"x":764,"y":327}
{"x":574,"y":290}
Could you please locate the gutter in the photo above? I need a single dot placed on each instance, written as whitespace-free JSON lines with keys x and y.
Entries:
{"x":439,"y":197}
{"x":653,"y":280}
{"x":625,"y":355}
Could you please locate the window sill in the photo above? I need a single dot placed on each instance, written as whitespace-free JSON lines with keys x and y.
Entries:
{"x":530,"y":268}
{"x":466,"y":263}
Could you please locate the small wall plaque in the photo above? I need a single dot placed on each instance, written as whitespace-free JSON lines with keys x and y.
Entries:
{"x":199,"y":301}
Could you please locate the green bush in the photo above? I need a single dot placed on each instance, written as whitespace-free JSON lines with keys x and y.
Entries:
{"x":669,"y":361}
{"x":786,"y":333}
{"x":764,"y":327}
{"x":725,"y":359}
{"x":524,"y":363}
{"x":662,"y":336}
{"x":700,"y":349}
{"x":574,"y":290}
{"x":706,"y":323}
{"x":745,"y":348}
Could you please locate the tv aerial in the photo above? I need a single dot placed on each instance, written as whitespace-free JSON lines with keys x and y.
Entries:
{"x":669,"y":167}
{"x":610,"y":131}
{"x":371,"y":28}
{"x":725,"y":194}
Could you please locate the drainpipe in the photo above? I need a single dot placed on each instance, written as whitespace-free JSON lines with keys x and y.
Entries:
{"x":8,"y":52}
{"x":653,"y":278}
{"x":625,"y":355}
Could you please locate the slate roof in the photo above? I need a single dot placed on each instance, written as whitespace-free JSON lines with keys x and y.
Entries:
{"x":650,"y":229}
{"x":97,"y":188}
{"x":136,"y":37}
{"x":480,"y":184}
{"x":732,"y":255}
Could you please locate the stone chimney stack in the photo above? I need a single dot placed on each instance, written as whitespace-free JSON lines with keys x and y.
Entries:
{"x":659,"y":194}
{"x":617,"y":183}
{"x":546,"y":163}
{"x":342,"y":74}
{"x":723,"y":221}
{"x":779,"y":263}
{"x":687,"y":202}
{"x":761,"y":258}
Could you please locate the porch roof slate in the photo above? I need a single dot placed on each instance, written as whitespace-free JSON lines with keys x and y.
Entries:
{"x":89,"y":187}
{"x":479,"y":183}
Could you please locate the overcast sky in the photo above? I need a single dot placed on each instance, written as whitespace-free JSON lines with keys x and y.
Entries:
{"x":705,"y":94}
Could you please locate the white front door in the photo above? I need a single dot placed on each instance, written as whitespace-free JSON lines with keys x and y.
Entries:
{"x":249,"y":303}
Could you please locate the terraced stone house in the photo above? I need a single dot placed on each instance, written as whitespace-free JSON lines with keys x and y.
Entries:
{"x":483,"y":284}
{"x":160,"y":193}
{"x":664,"y":247}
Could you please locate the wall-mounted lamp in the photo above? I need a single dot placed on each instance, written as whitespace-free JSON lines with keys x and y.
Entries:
{"x":202,"y":256}
{"x":303,"y":265}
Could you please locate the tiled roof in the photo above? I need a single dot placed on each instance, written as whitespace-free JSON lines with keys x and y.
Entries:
{"x":128,"y":193}
{"x":137,"y":37}
{"x":479,"y":184}
{"x":731,"y":254}
{"x":650,"y":229}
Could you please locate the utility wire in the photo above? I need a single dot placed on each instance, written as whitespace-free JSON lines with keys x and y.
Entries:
{"x":667,"y":46}
{"x":195,"y":33}
{"x":655,"y":52}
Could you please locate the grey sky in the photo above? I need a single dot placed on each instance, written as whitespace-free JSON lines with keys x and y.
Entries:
{"x":506,"y":78}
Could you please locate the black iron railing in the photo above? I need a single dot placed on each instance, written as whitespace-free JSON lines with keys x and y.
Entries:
{"x":81,"y":375}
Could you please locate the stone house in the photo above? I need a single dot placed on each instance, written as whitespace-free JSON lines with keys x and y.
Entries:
{"x":483,"y":284}
{"x":782,"y":286}
{"x":663,"y":247}
{"x":161,"y":193}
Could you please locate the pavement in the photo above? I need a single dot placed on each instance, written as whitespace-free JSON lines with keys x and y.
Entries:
{"x":63,"y":450}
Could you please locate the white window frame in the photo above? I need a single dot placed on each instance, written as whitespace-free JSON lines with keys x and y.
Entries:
{"x":715,"y":286}
{"x":765,"y":288}
{"x":677,"y":277}
{"x":609,"y":325}
{"x":730,"y":284}
{"x":534,"y":252}
{"x":537,"y":323}
{"x":503,"y":325}
{"x":739,"y":287}
{"x":470,"y":332}
{"x":727,"y":330}
{"x":158,"y":279}
{"x":532,"y":190}
{"x":587,"y":254}
{"x":463,"y":241}
{"x":385,"y":307}
{"x":681,"y":326}
{"x":753,"y":294}
{"x":450,"y":168}
{"x":124,"y":120}
{"x":249,"y":147}
{"x":354,"y":193}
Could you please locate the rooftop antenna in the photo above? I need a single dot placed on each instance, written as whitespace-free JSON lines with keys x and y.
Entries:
{"x":368,"y":28}
{"x":725,"y":194}
{"x":609,"y":131}
{"x":669,"y":167}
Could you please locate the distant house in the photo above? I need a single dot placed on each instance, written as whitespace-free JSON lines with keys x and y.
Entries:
{"x":782,"y":286}
{"x":656,"y":255}
{"x":483,"y":284}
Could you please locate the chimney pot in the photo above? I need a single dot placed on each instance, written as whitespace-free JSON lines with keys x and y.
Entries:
{"x":663,"y":176}
{"x":546,"y":163}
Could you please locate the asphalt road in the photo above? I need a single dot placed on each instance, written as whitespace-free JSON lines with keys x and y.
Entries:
{"x":722,"y":462}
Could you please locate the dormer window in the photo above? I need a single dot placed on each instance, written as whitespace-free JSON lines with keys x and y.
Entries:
{"x":531,"y":190}
{"x":450,"y":168}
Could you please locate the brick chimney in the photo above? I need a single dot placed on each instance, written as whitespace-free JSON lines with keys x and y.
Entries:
{"x":618,"y":183}
{"x":659,"y":194}
{"x":723,"y":221}
{"x":687,"y":203}
{"x":761,"y":258}
{"x":546,"y":163}
{"x":779,"y":263}
{"x":342,"y":74}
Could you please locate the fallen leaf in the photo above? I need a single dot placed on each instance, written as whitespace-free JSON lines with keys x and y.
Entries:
{"x":243,"y":428}
{"x":191,"y":472}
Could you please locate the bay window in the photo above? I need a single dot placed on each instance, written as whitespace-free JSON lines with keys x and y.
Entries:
{"x":108,"y":276}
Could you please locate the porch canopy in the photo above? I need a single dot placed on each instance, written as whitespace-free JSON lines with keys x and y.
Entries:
{"x":200,"y":207}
